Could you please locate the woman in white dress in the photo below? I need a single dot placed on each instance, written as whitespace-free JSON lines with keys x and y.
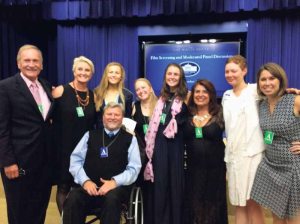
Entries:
{"x":245,"y":144}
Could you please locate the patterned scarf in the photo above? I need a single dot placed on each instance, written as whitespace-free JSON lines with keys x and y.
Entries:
{"x":169,"y":132}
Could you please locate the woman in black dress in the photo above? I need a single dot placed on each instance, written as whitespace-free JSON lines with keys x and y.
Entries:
{"x":141,"y":113}
{"x":74,"y":115}
{"x":164,"y":149}
{"x":206,"y":173}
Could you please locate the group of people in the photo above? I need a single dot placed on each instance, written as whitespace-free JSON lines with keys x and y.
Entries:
{"x":73,"y":137}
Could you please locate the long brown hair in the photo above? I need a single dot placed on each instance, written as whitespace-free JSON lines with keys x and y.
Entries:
{"x":181,"y":90}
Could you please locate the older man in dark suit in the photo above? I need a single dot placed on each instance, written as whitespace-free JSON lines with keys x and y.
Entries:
{"x":25,"y":127}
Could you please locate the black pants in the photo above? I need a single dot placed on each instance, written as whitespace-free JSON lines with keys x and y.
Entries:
{"x":27,"y":198}
{"x":79,"y":204}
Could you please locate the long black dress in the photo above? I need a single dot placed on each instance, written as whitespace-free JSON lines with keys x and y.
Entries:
{"x":166,"y":192}
{"x":70,"y":128}
{"x":140,"y":135}
{"x":205,"y":177}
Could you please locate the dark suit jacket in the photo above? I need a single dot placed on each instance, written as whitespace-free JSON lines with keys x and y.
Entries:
{"x":24,"y":134}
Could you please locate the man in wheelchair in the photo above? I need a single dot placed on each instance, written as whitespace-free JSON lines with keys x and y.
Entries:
{"x":105,"y":163}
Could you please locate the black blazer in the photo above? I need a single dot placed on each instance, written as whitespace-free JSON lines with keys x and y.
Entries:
{"x":24,"y":134}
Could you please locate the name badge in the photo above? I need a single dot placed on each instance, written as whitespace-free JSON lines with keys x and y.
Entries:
{"x":80,"y":112}
{"x":198,"y":133}
{"x":103,"y":152}
{"x":40,"y":106}
{"x":163,"y":118}
{"x":145,"y":128}
{"x":268,"y":137}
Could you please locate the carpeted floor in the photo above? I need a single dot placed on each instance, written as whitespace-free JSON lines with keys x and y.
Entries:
{"x":54,"y":218}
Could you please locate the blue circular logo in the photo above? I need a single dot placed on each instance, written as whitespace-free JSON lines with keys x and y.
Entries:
{"x":190,"y":68}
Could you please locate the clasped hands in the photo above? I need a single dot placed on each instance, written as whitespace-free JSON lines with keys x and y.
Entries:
{"x":93,"y":190}
{"x":11,"y":171}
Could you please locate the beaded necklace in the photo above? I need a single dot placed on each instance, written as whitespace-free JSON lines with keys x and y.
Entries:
{"x":82,"y":102}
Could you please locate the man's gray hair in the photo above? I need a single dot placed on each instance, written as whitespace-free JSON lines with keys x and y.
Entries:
{"x":26,"y":47}
{"x":114,"y":105}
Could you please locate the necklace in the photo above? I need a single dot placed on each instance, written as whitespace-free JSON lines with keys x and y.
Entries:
{"x":82,"y":102}
{"x":145,"y":106}
{"x":201,"y":118}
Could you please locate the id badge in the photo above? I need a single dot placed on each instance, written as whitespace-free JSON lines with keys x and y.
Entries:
{"x":103,"y":152}
{"x":145,"y":128}
{"x":40,"y":106}
{"x":268,"y":137}
{"x":80,"y":112}
{"x":163,"y":118}
{"x":198,"y":133}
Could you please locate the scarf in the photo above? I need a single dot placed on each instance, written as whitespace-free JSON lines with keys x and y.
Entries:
{"x":169,"y":132}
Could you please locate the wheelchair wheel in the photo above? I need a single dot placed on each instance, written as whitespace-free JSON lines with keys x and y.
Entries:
{"x":135,"y":209}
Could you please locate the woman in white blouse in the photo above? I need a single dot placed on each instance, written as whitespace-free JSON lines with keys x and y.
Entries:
{"x":244,"y":149}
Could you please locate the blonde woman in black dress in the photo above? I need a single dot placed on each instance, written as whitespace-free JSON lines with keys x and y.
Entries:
{"x":143,"y":107}
{"x":141,"y":113}
{"x":74,"y":115}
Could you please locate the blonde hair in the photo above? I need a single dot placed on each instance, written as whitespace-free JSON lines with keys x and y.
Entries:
{"x":153,"y":97}
{"x":83,"y":59}
{"x":27,"y":47}
{"x":101,"y":90}
{"x":239,"y":60}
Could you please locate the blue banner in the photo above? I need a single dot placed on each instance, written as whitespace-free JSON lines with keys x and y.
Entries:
{"x":198,"y":60}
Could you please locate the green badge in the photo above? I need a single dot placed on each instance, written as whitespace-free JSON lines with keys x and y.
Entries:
{"x":268,"y":137}
{"x":198,"y":133}
{"x":80,"y":112}
{"x":145,"y":128}
{"x":40,"y":106}
{"x":163,"y":118}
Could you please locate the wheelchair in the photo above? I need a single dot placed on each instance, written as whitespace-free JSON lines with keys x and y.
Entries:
{"x":133,"y":213}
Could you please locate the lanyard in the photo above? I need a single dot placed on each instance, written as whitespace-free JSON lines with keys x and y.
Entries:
{"x":167,"y":107}
{"x":111,"y":141}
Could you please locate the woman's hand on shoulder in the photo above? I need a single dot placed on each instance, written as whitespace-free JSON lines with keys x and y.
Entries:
{"x":57,"y":92}
{"x":293,"y":91}
{"x":295,"y":148}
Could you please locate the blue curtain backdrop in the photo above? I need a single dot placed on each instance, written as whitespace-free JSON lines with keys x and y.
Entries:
{"x":102,"y":44}
{"x":275,"y":40}
{"x":15,"y":34}
{"x":70,"y":9}
{"x":100,"y":30}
